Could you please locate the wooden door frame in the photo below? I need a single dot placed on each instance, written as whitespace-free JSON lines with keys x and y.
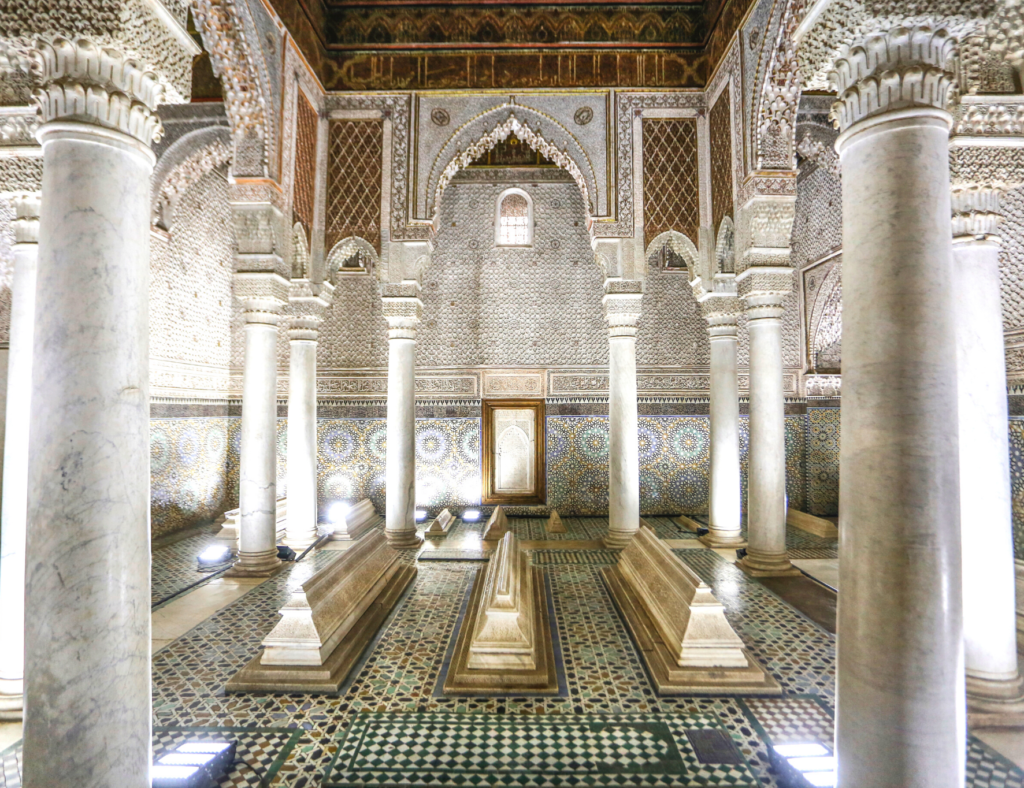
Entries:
{"x":489,"y":497}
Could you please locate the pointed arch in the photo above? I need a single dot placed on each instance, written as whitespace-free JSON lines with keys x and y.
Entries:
{"x":725,"y":248}
{"x":679,"y":244}
{"x":540,"y":132}
{"x":345,"y":251}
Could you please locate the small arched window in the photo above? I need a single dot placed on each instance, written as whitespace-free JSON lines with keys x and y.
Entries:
{"x":514,"y":225}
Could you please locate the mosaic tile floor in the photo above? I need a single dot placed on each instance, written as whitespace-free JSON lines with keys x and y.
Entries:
{"x":174,"y":564}
{"x":604,"y":674}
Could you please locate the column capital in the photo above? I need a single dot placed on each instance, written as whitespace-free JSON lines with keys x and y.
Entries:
{"x":976,"y":213}
{"x":26,"y":218}
{"x":621,"y":302}
{"x":904,"y":68}
{"x":262,"y":296}
{"x":79,"y":80}
{"x":402,"y":308}
{"x":307,"y":305}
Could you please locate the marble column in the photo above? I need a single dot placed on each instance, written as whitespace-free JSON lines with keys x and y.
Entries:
{"x":262,"y":297}
{"x":308,"y":300}
{"x":402,"y":310}
{"x":622,"y":313}
{"x":766,"y":457}
{"x":721,"y":310}
{"x":88,"y":715}
{"x":900,"y":717}
{"x":13,"y":510}
{"x":986,"y":515}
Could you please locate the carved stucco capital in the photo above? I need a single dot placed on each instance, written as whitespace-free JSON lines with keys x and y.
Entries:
{"x":26,"y":218}
{"x":622,"y":305}
{"x":263,"y":296}
{"x":307,"y":306}
{"x":82,"y":81}
{"x":403,"y":308}
{"x":902,"y":68}
{"x":976,"y":212}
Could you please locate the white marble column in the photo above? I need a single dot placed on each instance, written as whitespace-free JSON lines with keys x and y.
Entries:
{"x":13,"y":510}
{"x":900,"y":717}
{"x":262,"y":296}
{"x":721,"y":310}
{"x":308,"y":302}
{"x":766,"y":455}
{"x":986,"y":515}
{"x":88,"y":711}
{"x":402,"y":310}
{"x":622,"y":313}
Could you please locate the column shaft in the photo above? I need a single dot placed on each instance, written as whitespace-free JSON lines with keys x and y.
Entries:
{"x":87,"y":630}
{"x":724,"y":504}
{"x":766,"y":458}
{"x":400,"y":459}
{"x":986,"y":517}
{"x":14,"y":507}
{"x":623,"y":438}
{"x":900,"y":712}
{"x":302,"y":498}
{"x":257,"y":494}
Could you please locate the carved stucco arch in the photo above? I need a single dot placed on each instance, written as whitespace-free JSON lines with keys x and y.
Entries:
{"x":539,"y":131}
{"x":773,"y":125}
{"x":187,"y":160}
{"x":344,"y":249}
{"x":825,"y":324}
{"x":725,"y":247}
{"x":244,"y":79}
{"x":679,"y":244}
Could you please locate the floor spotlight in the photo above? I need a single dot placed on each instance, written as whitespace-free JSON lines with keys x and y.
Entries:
{"x":421,"y":515}
{"x":213,"y":557}
{"x":197,"y":764}
{"x":804,"y":765}
{"x":471,"y":515}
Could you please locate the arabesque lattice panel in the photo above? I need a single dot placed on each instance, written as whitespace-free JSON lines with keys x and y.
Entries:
{"x":671,"y":185}
{"x":720,"y":131}
{"x":305,"y":163}
{"x":354,"y":166}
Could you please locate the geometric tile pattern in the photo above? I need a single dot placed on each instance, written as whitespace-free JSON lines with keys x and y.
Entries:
{"x":674,"y":463}
{"x":499,"y":750}
{"x":823,"y":461}
{"x":351,"y":462}
{"x":604,"y":674}
{"x":671,"y":186}
{"x":1017,"y":483}
{"x":174,"y":565}
{"x":193,"y":472}
{"x":259,"y":753}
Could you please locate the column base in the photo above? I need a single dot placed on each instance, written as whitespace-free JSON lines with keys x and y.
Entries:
{"x":404,"y":540}
{"x":616,"y":540}
{"x":12,"y":701}
{"x":714,"y":539}
{"x":995,"y":696}
{"x":302,"y":541}
{"x":762,"y":565}
{"x":255,"y":565}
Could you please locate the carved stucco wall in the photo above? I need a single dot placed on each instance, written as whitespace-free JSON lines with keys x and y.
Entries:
{"x":190,"y":279}
{"x":6,"y":266}
{"x":1011,"y":259}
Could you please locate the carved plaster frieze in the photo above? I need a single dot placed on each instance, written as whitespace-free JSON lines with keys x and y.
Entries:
{"x":988,"y":119}
{"x":18,"y":126}
{"x":826,"y":36}
{"x":986,"y":164}
{"x":20,"y":172}
{"x":82,"y":81}
{"x":823,"y":385}
{"x":902,"y":68}
{"x":222,"y":28}
{"x":150,"y":32}
{"x":26,"y":218}
{"x":763,"y":231}
{"x":779,"y":98}
{"x":976,"y":212}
